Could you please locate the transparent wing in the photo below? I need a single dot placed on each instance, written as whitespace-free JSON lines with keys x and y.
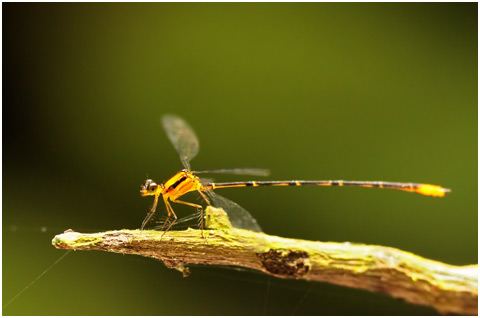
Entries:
{"x":239,"y":217}
{"x":206,"y":180}
{"x":244,"y":171}
{"x":182,"y":137}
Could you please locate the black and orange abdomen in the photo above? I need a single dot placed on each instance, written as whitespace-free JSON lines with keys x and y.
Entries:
{"x":420,"y":188}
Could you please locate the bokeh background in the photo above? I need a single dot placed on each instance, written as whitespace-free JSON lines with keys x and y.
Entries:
{"x":311,"y":91}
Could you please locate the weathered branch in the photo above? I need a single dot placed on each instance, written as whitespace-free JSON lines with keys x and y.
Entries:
{"x":447,"y":288}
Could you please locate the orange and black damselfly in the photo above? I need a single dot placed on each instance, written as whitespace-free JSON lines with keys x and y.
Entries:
{"x":186,"y":143}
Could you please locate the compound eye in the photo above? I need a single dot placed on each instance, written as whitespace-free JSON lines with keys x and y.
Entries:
{"x":152,"y":186}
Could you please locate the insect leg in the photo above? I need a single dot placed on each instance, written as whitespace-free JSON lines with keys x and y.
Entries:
{"x":193,"y":205}
{"x":204,"y":197}
{"x":150,"y":214}
{"x":169,"y":212}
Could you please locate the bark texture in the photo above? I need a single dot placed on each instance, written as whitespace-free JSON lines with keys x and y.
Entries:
{"x":447,"y":288}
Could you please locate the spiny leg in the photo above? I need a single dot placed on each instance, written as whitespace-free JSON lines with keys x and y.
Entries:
{"x":204,"y":197}
{"x":169,"y":208}
{"x":193,"y":205}
{"x":169,"y":212}
{"x":150,"y":213}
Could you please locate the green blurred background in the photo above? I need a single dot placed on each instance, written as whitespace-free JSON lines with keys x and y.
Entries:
{"x":311,"y":91}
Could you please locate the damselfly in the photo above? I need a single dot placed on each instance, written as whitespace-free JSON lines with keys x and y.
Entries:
{"x":186,"y":143}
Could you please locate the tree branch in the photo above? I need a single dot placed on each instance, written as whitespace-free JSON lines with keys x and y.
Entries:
{"x":447,"y":288}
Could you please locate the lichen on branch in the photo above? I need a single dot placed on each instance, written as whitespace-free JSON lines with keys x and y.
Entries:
{"x":447,"y":288}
